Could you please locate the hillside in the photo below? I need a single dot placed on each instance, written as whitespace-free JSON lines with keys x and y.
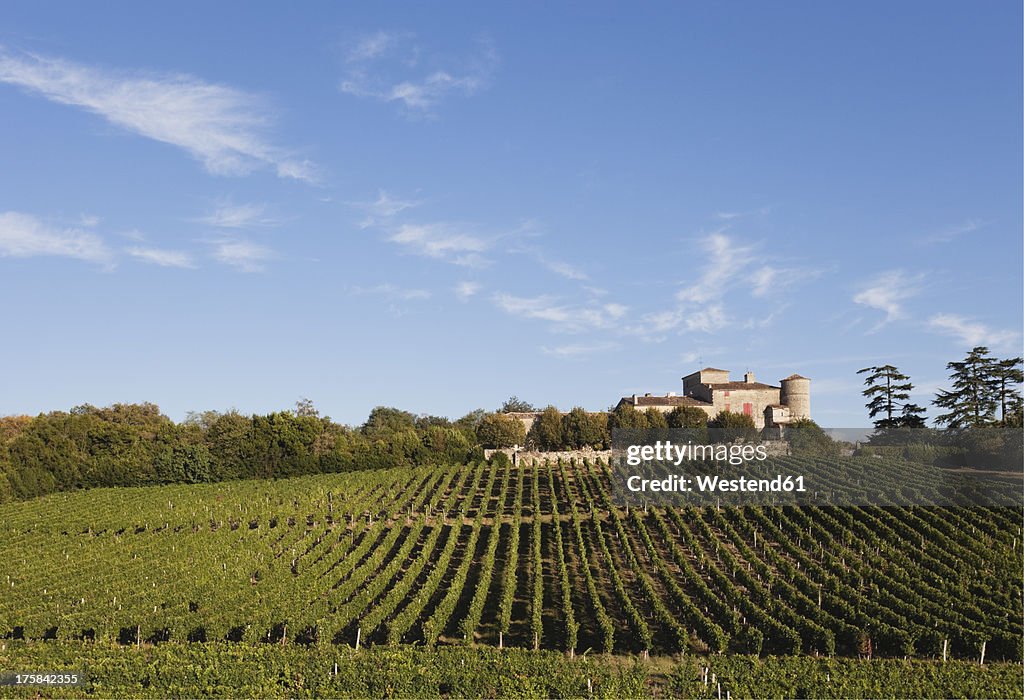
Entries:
{"x":512,"y":556}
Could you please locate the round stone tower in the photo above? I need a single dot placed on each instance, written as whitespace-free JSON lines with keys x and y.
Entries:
{"x":796,"y":393}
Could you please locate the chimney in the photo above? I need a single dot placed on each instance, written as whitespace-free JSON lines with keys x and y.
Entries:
{"x":748,"y":377}
{"x":635,"y":402}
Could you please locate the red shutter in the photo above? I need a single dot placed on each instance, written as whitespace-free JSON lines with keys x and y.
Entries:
{"x":728,"y":408}
{"x":748,"y":409}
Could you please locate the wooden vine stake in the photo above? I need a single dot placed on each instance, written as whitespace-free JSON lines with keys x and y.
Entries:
{"x":945,"y":649}
{"x":359,"y":633}
{"x":983,"y":653}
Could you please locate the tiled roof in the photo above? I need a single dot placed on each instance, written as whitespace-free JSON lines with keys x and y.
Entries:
{"x":796,"y":376}
{"x":737,"y":386}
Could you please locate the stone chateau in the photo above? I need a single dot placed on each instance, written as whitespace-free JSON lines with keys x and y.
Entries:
{"x":710,"y":390}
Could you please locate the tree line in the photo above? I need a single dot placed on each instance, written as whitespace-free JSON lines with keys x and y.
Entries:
{"x":137,"y":445}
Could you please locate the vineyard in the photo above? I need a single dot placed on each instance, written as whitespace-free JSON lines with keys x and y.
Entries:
{"x":501,"y":556}
{"x":227,"y":669}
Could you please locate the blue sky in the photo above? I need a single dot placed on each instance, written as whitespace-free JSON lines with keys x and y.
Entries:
{"x":214,"y":205}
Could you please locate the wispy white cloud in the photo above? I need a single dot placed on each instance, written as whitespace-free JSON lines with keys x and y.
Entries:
{"x":563,"y":317}
{"x":953,"y":232}
{"x":614,"y":311}
{"x":542,"y":307}
{"x":378,"y":67}
{"x":228,"y":215}
{"x":242,"y":254}
{"x":222,"y":127}
{"x":371,"y":46}
{"x":563,"y":269}
{"x":25,"y":236}
{"x":443,"y":242}
{"x":392,"y":292}
{"x":161,"y":257}
{"x":765,"y":321}
{"x":579,"y":350}
{"x":426,"y":93}
{"x":384,"y":208}
{"x":707,"y":319}
{"x":770,"y":279}
{"x":762,"y":280}
{"x":466,"y":290}
{"x":699,"y":306}
{"x":89,"y":220}
{"x":729,"y":267}
{"x":887,"y":292}
{"x":726,"y":260}
{"x":972,"y":333}
{"x":732,"y":215}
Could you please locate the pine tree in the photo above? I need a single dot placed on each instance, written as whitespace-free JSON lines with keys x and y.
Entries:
{"x":889,"y":392}
{"x":514,"y":404}
{"x":912,"y":416}
{"x":1008,"y":378}
{"x":976,"y":391}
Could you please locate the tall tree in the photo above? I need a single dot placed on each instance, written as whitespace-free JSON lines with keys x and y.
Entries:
{"x":385,"y":421}
{"x":625,"y":417}
{"x":1008,"y":377}
{"x":304,"y":408}
{"x":687,"y":417}
{"x":730,"y":427}
{"x":911,"y":416}
{"x":582,"y":429}
{"x":975,"y":395}
{"x":514,"y":404}
{"x":888,"y":393}
{"x":497,"y":430}
{"x":547,"y":432}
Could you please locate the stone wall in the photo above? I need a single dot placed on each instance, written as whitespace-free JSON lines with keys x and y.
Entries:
{"x":536,"y":456}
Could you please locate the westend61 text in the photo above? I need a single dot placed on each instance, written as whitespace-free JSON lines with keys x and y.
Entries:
{"x":710,"y":484}
{"x":667,"y":451}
